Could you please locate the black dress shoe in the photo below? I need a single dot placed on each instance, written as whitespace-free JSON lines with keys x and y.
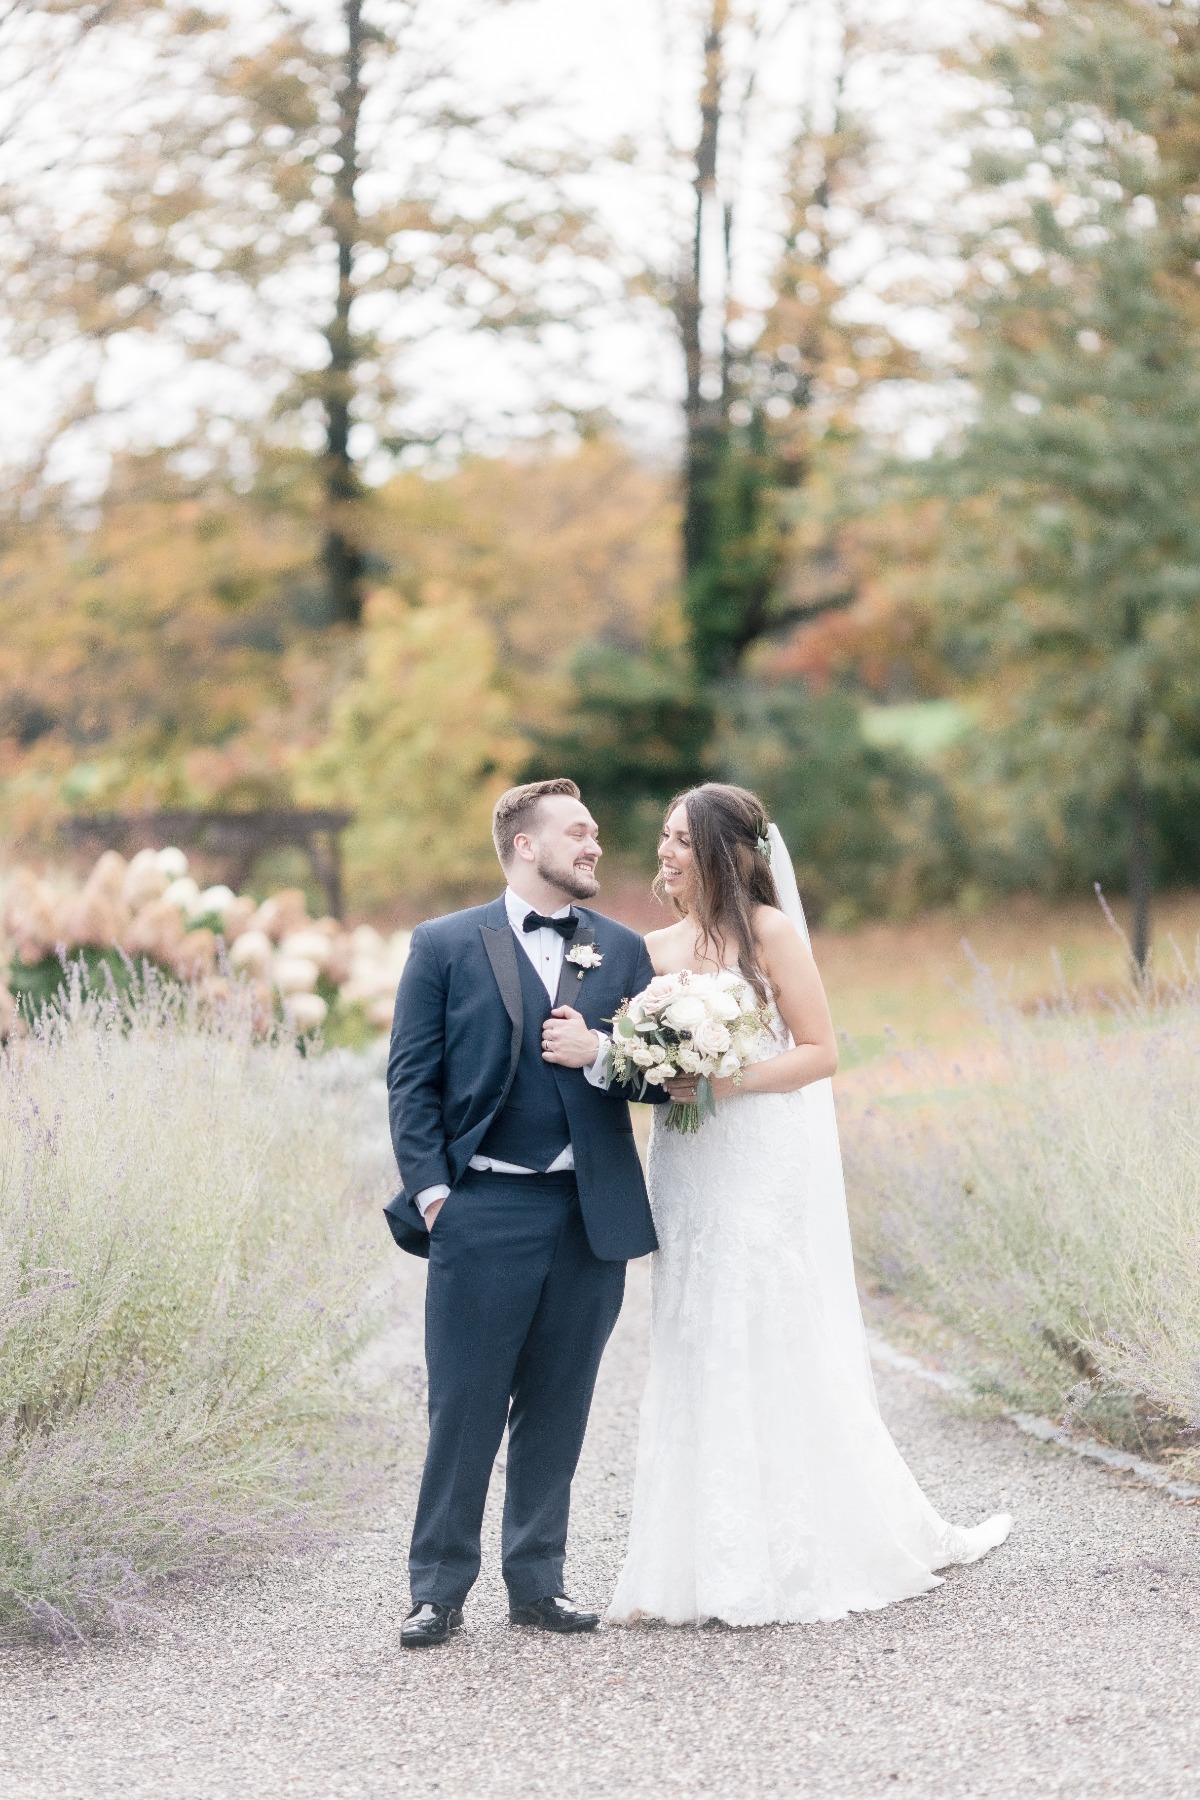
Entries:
{"x":555,"y":1613}
{"x":429,"y":1623}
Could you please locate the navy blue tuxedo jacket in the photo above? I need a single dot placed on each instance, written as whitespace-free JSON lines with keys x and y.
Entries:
{"x":456,"y":1038}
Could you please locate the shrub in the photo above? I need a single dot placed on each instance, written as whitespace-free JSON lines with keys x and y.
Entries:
{"x":185,"y":1244}
{"x":1041,"y":1196}
{"x":871,"y":830}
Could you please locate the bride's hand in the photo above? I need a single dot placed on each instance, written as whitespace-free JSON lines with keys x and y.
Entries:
{"x":683,"y":1090}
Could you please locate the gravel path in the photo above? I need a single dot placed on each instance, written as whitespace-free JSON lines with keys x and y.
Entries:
{"x":1066,"y":1664}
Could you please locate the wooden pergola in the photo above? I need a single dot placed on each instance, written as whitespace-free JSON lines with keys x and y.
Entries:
{"x":237,"y":839}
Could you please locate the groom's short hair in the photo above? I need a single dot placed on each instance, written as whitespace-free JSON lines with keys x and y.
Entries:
{"x":516,"y":810}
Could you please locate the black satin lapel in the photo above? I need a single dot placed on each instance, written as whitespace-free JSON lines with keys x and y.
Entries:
{"x":569,"y":982}
{"x":501,"y":950}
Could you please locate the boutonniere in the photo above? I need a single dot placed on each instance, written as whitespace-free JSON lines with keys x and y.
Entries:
{"x":584,"y":956}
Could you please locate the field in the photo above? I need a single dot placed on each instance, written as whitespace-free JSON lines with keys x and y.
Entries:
{"x":914,"y":981}
{"x":1019,"y":1127}
{"x":1019,"y":1130}
{"x":191,"y":1235}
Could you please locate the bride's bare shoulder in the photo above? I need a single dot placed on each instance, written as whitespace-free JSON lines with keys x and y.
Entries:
{"x":775,"y":931}
{"x":661,"y":944}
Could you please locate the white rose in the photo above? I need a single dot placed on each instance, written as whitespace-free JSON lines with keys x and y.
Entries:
{"x":722,"y":1005}
{"x":712,"y":1038}
{"x":729,"y":1065}
{"x":749,"y":999}
{"x":643,"y":1055}
{"x":688,"y":1061}
{"x":659,"y":1073}
{"x":729,"y":980}
{"x":685,"y":1014}
{"x":661,"y":988}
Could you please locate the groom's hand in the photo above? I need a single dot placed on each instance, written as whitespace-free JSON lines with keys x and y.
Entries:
{"x":568,"y":1040}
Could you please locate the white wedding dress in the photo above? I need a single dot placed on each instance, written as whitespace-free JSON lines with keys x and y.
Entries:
{"x":767,"y":1488}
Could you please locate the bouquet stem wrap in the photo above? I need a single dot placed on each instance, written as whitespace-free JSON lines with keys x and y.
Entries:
{"x":689,"y":1115}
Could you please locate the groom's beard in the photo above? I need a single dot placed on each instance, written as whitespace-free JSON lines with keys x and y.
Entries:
{"x":573,"y":883}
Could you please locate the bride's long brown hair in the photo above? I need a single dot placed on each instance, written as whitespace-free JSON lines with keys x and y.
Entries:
{"x":727,"y":826}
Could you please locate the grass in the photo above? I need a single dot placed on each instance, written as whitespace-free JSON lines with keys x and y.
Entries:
{"x":187,"y":1231}
{"x":914,"y":982}
{"x":1036,"y":1190}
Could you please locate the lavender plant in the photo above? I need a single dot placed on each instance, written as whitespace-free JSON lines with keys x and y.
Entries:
{"x":187,"y":1233}
{"x":1041,"y":1196}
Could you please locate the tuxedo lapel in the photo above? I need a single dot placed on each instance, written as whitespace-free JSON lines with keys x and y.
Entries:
{"x":570,"y":979}
{"x":501,"y":948}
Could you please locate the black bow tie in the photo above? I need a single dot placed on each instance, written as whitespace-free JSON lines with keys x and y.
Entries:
{"x":565,"y":927}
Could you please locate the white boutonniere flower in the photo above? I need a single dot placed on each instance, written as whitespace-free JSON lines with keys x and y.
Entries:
{"x":584,"y":956}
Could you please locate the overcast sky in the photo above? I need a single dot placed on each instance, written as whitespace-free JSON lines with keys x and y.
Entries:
{"x":613,"y":69}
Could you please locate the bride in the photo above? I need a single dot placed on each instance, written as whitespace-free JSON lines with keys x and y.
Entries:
{"x":767,"y":1487}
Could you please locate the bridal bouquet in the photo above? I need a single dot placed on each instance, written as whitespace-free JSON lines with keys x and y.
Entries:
{"x":688,"y":1024}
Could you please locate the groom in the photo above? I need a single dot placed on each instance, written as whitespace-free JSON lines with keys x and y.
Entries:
{"x":523,"y":1187}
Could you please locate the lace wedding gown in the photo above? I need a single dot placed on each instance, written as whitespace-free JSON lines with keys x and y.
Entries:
{"x":767,"y":1487}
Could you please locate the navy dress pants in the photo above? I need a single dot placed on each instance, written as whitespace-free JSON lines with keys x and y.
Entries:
{"x":517,"y":1313}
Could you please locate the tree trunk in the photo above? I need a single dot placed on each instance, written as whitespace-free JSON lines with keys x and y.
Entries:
{"x":1139,"y":856}
{"x":705,"y":415}
{"x":341,"y":554}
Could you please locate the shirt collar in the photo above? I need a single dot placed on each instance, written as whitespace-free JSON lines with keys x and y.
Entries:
{"x":518,"y":908}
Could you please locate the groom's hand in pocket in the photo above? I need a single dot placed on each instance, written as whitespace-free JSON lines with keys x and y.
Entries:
{"x":568,"y":1040}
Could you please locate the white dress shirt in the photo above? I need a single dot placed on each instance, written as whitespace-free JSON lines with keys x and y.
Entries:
{"x":545,"y":950}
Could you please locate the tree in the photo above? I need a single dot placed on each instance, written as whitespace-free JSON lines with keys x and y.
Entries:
{"x":160,"y":658}
{"x":638,"y":730}
{"x":1075,"y":546}
{"x":291,"y":204}
{"x":421,"y":746}
{"x":869,"y":829}
{"x":761,"y":406}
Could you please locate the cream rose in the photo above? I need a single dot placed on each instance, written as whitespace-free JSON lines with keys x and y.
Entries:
{"x":712,"y":1038}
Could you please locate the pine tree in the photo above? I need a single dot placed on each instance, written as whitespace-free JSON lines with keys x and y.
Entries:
{"x":1074,"y":576}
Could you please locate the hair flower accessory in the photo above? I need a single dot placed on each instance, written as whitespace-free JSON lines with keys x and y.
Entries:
{"x":585,"y":956}
{"x":763,"y":846}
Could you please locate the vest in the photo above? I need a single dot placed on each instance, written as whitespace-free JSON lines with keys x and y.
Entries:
{"x":531,"y":1128}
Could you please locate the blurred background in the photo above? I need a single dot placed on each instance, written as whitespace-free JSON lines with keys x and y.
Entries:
{"x":404,"y":398}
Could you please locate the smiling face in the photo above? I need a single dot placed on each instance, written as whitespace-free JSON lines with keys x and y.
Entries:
{"x":677,"y":872}
{"x":563,"y":846}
